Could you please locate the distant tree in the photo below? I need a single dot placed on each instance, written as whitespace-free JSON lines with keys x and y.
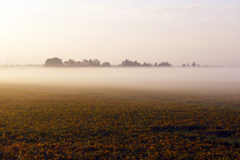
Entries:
{"x":146,"y":64}
{"x":78,"y":64}
{"x":96,"y":62}
{"x":184,"y":65}
{"x":194,"y":64}
{"x":155,"y":64}
{"x":70,"y":63}
{"x":128,"y":63}
{"x":66,"y":63}
{"x":135,"y":63}
{"x":188,"y":64}
{"x":90,"y":62}
{"x":165,"y":64}
{"x":53,"y":62}
{"x":123,"y":63}
{"x":85,"y":62}
{"x":106,"y":64}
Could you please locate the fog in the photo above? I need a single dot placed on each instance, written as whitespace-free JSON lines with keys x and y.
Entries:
{"x":174,"y":78}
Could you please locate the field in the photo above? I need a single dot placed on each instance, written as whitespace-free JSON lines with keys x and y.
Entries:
{"x":82,"y":123}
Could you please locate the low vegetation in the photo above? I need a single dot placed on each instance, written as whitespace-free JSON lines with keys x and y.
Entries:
{"x":36,"y":124}
{"x":57,"y":62}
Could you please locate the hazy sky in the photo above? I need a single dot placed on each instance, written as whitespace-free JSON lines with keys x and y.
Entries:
{"x":205,"y":31}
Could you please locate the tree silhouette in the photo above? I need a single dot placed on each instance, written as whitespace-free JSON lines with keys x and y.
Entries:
{"x":106,"y":64}
{"x":53,"y":62}
{"x":96,"y":62}
{"x":90,"y":62}
{"x":165,"y":64}
{"x":56,"y":62}
{"x":128,"y":63}
{"x":146,"y":64}
{"x":78,"y":64}
{"x":85,"y":62}
{"x":70,"y":63}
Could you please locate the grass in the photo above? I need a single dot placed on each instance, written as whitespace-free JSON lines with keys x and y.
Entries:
{"x":86,"y":123}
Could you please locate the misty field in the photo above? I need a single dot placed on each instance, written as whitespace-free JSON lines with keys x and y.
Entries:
{"x":43,"y":123}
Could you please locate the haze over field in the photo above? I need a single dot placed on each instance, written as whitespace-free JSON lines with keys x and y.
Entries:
{"x":153,"y":31}
{"x":221,"y":80}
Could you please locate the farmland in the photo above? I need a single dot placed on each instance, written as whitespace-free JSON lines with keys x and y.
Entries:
{"x":82,"y":123}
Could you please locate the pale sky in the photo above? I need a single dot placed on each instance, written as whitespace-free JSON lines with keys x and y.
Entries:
{"x":204,"y":31}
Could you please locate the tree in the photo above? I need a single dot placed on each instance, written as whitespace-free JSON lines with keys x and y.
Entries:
{"x":165,"y":64}
{"x":90,"y":62}
{"x":128,"y":63}
{"x":66,"y":63}
{"x":78,"y":64}
{"x":70,"y":63}
{"x":96,"y":62}
{"x":106,"y":64}
{"x":135,"y":63}
{"x":146,"y":64}
{"x":53,"y":62}
{"x":194,"y":64}
{"x":85,"y":62}
{"x":123,"y":63}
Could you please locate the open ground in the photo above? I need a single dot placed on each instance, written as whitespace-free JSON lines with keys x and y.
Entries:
{"x":42,"y":122}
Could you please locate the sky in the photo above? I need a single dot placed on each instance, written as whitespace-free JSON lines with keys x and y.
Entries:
{"x":204,"y":31}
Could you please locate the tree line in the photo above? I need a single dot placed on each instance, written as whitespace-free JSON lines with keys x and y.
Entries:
{"x":57,"y":62}
{"x":193,"y":65}
{"x":128,"y":63}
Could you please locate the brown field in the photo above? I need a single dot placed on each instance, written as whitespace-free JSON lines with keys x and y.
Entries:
{"x":40,"y":122}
